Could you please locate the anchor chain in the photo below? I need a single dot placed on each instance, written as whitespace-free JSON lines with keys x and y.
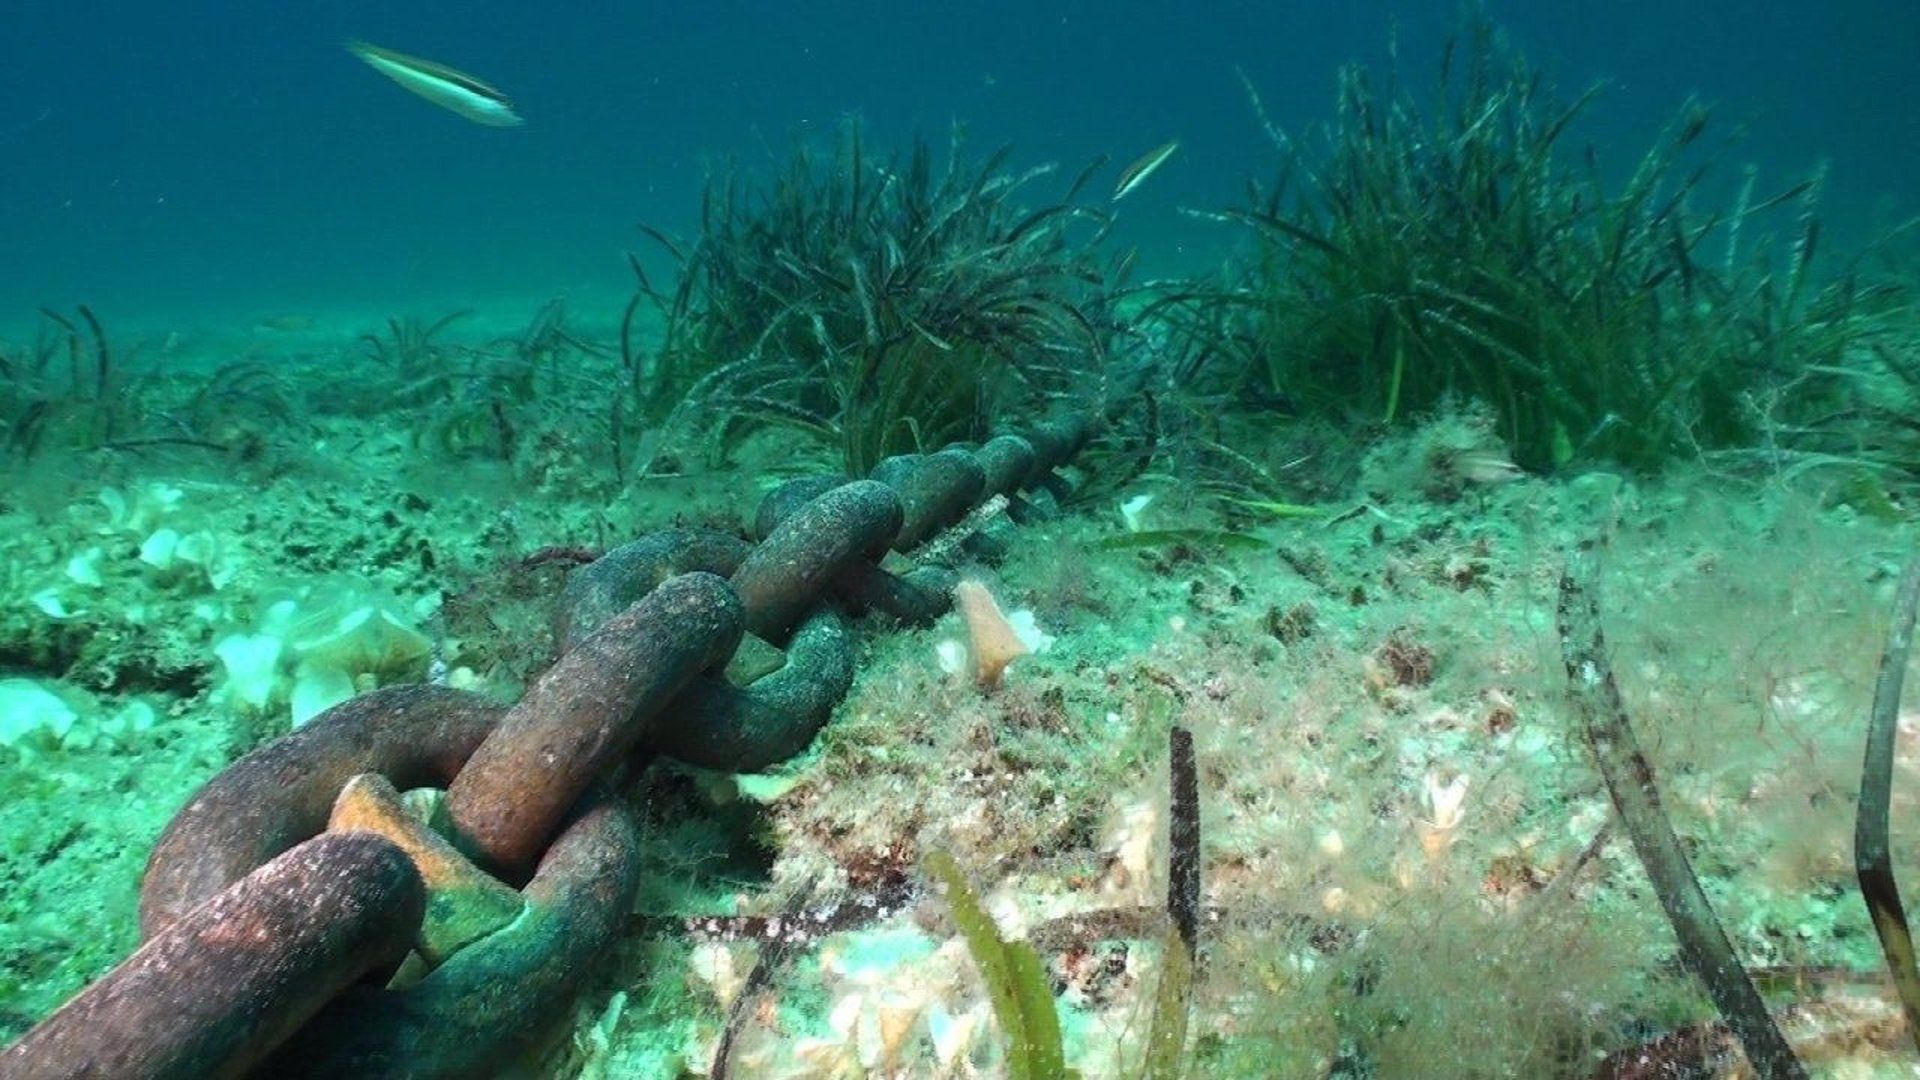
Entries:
{"x":274,"y":941}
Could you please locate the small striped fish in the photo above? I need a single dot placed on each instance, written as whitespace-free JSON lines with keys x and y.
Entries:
{"x":455,"y":91}
{"x":1136,"y":174}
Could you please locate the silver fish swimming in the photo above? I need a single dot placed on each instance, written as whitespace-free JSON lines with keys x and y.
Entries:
{"x":1136,"y":174}
{"x":455,"y":91}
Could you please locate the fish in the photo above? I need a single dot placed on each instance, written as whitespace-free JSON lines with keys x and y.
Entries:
{"x":1136,"y":174}
{"x":455,"y":91}
{"x":1485,"y":466}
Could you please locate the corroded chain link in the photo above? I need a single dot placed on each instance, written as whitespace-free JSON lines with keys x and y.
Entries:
{"x":272,"y":940}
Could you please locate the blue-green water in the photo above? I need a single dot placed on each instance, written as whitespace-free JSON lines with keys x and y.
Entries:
{"x":175,"y":163}
{"x":1318,"y":521}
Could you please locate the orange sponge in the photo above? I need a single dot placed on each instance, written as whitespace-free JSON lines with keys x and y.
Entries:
{"x":992,"y":643}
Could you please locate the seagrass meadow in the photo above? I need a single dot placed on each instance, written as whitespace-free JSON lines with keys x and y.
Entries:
{"x":863,"y":547}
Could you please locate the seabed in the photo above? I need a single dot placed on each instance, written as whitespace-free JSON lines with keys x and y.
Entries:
{"x":1410,"y":864}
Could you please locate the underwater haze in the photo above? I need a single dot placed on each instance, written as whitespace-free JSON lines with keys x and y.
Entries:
{"x":206,"y":161}
{"x":959,"y":541}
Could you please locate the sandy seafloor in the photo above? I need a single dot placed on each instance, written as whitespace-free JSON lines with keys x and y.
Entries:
{"x":1395,"y":801}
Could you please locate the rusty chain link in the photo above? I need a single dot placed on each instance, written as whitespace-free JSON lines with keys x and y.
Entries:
{"x":274,"y":941}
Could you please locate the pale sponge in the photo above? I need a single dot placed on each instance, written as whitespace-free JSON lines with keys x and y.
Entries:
{"x":32,"y":716}
{"x":314,"y":649}
{"x":39,"y":718}
{"x":992,"y":642}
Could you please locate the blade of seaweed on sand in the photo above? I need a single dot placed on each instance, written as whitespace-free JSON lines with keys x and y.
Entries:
{"x":1080,"y":182}
{"x":103,"y":359}
{"x":665,"y":241}
{"x":641,"y":291}
{"x":1183,"y":840}
{"x":1285,"y":228}
{"x":1602,"y":715}
{"x":1872,"y":856}
{"x":775,"y":950}
{"x":73,"y":345}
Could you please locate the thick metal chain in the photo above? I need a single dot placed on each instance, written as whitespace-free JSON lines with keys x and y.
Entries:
{"x":271,"y":941}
